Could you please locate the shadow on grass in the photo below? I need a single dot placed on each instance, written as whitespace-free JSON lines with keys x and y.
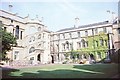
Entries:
{"x":6,"y":72}
{"x":109,"y":70}
{"x":77,"y":71}
{"x":60,"y":73}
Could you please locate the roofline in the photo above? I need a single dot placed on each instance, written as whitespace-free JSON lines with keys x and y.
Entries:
{"x":85,"y":26}
{"x":11,"y":14}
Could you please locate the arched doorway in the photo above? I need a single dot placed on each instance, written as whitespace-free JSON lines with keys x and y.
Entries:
{"x":92,"y":57}
{"x":52,"y":58}
{"x":38,"y":58}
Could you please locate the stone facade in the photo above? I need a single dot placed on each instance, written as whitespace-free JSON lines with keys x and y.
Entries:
{"x":36,"y":44}
{"x":32,"y":36}
{"x":93,"y":39}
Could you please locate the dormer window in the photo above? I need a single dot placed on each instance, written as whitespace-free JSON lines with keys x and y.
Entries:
{"x":39,"y":28}
{"x":86,"y":33}
{"x":11,"y":21}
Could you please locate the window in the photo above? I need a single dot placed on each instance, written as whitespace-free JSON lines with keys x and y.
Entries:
{"x":30,"y":40}
{"x":86,"y":33}
{"x":16,"y":55}
{"x":39,"y":36}
{"x":5,"y":28}
{"x":78,"y":34}
{"x":96,"y":43}
{"x":86,"y":43}
{"x":92,"y":31}
{"x":118,"y":30}
{"x":105,"y":42}
{"x":99,"y":55}
{"x":67,"y":43}
{"x":63,"y":46}
{"x":32,"y":49}
{"x":74,"y":34}
{"x":21,"y":35}
{"x":43,"y":35}
{"x":79,"y":45}
{"x":71,"y":46}
{"x":48,"y":36}
{"x":33,"y":38}
{"x":17,"y":32}
{"x":48,"y":45}
{"x":57,"y":47}
{"x":13,"y":31}
{"x":58,"y":36}
{"x":101,"y":42}
{"x":63,"y":36}
{"x":11,"y":21}
{"x":32,"y":58}
{"x":96,"y":30}
{"x":83,"y":42}
{"x":104,"y":29}
{"x":39,"y":45}
{"x":39,"y":28}
{"x":70,"y":35}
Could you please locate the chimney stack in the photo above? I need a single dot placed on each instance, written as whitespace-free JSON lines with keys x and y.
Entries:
{"x":10,"y":7}
{"x":77,"y":21}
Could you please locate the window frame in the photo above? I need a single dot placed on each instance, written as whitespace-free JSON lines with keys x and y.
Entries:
{"x":32,"y":49}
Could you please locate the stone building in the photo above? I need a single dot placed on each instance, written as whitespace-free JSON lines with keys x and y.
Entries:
{"x":37,"y":45}
{"x":32,"y":36}
{"x":99,"y":39}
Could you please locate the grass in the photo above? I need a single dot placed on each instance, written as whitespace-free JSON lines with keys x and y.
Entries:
{"x":64,"y":71}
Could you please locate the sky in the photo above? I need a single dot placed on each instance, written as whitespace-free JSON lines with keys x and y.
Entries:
{"x":61,"y":14}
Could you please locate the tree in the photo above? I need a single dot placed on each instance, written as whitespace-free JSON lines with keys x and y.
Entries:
{"x":8,"y":41}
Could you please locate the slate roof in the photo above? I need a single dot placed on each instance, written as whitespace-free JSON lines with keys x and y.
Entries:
{"x":89,"y":25}
{"x":67,"y":29}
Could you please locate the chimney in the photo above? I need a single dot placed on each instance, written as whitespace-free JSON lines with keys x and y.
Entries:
{"x":10,"y":7}
{"x":77,"y":21}
{"x":111,"y":16}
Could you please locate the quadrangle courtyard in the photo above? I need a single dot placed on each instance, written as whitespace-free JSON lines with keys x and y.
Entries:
{"x":62,"y":71}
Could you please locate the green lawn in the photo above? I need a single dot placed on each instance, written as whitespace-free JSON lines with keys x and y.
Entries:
{"x":65,"y":71}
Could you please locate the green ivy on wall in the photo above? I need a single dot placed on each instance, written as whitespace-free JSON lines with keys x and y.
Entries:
{"x":93,"y":47}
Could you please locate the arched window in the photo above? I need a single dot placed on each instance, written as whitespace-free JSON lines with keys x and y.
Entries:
{"x":67,"y":43}
{"x":83,"y":42}
{"x":32,"y":49}
{"x":39,"y":28}
{"x":39,"y":36}
{"x":17,"y":32}
{"x":86,"y":33}
{"x":30,"y":40}
{"x":101,"y":42}
{"x":96,"y":42}
{"x":86,"y":43}
{"x":99,"y":55}
{"x":33,"y":38}
{"x":39,"y":45}
{"x":106,"y":42}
